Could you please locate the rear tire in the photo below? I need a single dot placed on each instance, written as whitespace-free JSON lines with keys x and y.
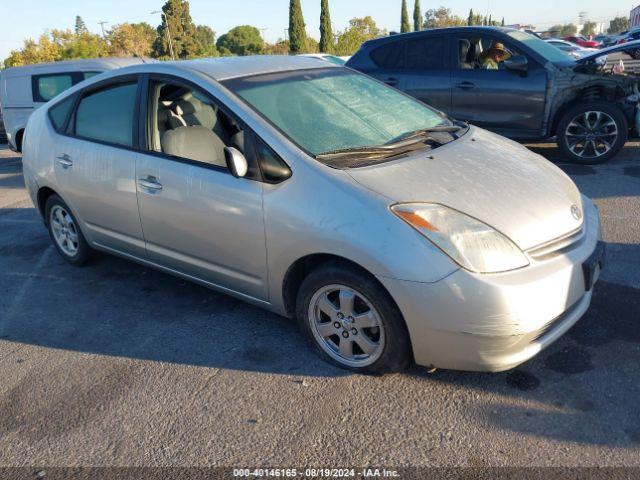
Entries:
{"x":65,"y":232}
{"x":592,"y":133}
{"x":351,"y":320}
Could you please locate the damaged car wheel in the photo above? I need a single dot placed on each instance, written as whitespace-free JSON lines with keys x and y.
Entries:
{"x":592,"y":133}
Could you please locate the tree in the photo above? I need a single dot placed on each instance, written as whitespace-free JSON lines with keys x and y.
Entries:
{"x":405,"y":27}
{"x":177,"y":25}
{"x":206,"y":40}
{"x":84,"y":45}
{"x":618,"y":25}
{"x":327,"y":43}
{"x":131,"y":39}
{"x":471,"y":19}
{"x":241,"y":40}
{"x":490,"y":22}
{"x":589,"y":28}
{"x":359,"y":31}
{"x":502,"y":22}
{"x":80,"y":26}
{"x":417,"y":16}
{"x":281,"y":47}
{"x":566,"y":30}
{"x":297,"y":32}
{"x":442,"y":17}
{"x":44,"y":50}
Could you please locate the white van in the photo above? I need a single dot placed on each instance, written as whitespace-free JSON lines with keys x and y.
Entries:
{"x":24,"y":89}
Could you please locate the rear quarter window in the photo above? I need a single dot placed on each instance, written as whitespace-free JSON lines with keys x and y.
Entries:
{"x":59,"y":113}
{"x":390,"y":55}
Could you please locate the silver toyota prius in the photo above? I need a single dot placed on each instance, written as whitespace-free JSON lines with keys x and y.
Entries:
{"x":390,"y":231}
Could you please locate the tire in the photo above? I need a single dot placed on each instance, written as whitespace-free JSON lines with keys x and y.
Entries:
{"x":65,"y":232}
{"x":605,"y":118}
{"x":636,"y":54}
{"x":375,"y":349}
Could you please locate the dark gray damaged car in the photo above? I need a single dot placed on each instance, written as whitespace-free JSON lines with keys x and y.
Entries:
{"x":533,"y":92}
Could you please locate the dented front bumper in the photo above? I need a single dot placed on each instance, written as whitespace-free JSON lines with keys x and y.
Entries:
{"x":495,"y":322}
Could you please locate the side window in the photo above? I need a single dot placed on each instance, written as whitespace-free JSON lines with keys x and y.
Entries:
{"x":59,"y":112}
{"x":186,"y":123}
{"x":425,"y":53}
{"x":45,"y":87}
{"x":483,"y":53}
{"x":390,"y":55}
{"x":274,"y":169}
{"x":107,"y":115}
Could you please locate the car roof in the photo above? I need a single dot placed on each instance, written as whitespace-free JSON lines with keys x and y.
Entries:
{"x":109,"y":63}
{"x":432,"y":31}
{"x":232,"y":67}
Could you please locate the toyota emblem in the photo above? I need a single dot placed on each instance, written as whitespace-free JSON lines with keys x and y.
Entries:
{"x":576,"y":212}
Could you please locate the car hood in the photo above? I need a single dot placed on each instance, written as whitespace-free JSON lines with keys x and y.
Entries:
{"x":488,"y":177}
{"x":608,"y":51}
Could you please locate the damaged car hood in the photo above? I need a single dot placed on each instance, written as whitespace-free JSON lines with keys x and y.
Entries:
{"x":625,"y":47}
{"x":488,"y":177}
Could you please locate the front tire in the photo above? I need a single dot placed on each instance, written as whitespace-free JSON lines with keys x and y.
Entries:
{"x":65,"y":232}
{"x":352,"y":321}
{"x":592,"y":133}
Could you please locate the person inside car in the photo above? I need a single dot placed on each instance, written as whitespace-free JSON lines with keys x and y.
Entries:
{"x":492,"y":58}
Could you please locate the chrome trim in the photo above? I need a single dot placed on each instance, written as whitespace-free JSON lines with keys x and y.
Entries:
{"x":557,"y":246}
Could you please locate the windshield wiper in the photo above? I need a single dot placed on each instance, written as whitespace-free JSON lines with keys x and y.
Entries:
{"x":424,"y":133}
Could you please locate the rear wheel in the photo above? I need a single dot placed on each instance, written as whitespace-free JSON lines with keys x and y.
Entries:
{"x":352,"y":321}
{"x":65,"y":232}
{"x":592,"y":133}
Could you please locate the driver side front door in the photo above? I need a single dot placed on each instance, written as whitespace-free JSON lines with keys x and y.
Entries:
{"x":507,"y":102}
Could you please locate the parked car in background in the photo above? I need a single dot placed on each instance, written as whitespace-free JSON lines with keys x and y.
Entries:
{"x":325,"y":56}
{"x":3,"y":133}
{"x":390,"y":231}
{"x":24,"y":89}
{"x":583,"y":41}
{"x":631,"y":37}
{"x":512,"y":83}
{"x":575,"y":51}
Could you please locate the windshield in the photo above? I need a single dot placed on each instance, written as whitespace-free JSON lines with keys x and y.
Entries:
{"x":332,"y":109}
{"x":542,"y":48}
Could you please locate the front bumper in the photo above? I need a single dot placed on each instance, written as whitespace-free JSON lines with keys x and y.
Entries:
{"x":495,"y":322}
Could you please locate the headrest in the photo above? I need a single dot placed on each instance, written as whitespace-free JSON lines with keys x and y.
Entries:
{"x":464,"y":47}
{"x":183,"y":108}
{"x":163,"y":116}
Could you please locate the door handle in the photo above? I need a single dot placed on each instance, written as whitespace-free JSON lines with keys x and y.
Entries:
{"x":466,"y":85}
{"x":391,"y":81}
{"x":64,"y":160}
{"x":150,"y":183}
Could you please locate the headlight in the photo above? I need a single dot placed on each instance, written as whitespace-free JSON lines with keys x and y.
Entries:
{"x":469,"y":242}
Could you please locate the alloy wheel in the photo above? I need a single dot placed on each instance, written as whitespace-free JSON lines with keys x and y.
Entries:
{"x":64,"y":231}
{"x":591,"y":134}
{"x":346,"y":325}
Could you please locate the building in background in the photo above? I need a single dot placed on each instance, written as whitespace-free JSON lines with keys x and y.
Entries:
{"x":634,"y":18}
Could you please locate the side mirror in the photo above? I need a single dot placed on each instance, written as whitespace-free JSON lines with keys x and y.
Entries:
{"x":518,"y":63}
{"x":236,"y":162}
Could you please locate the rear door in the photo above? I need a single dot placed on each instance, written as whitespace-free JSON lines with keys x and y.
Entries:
{"x":95,"y":161}
{"x":504,"y":101}
{"x":419,"y":66}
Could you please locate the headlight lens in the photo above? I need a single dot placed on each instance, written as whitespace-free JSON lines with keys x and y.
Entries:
{"x":469,"y":242}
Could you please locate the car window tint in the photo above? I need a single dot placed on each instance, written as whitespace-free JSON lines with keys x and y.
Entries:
{"x":48,"y":86}
{"x":88,"y":75}
{"x":58,"y":113}
{"x":390,"y":55}
{"x":107,"y":115}
{"x":425,"y":53}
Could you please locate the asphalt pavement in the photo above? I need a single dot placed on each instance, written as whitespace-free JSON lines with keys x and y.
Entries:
{"x":118,"y":365}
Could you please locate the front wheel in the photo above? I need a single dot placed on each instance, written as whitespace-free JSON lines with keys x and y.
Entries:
{"x":592,"y":133}
{"x":352,"y":321}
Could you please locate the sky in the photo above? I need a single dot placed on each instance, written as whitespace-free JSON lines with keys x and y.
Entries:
{"x":22,"y":19}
